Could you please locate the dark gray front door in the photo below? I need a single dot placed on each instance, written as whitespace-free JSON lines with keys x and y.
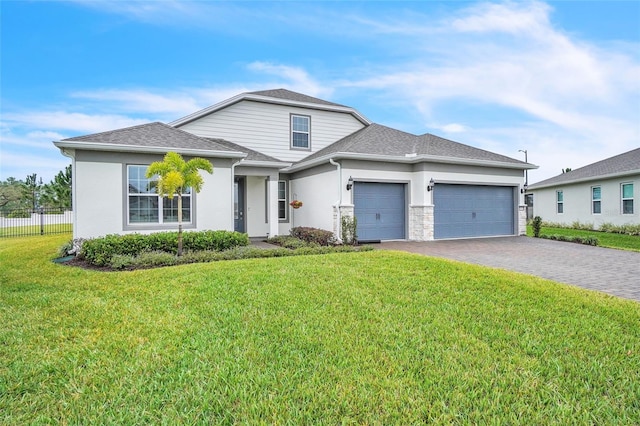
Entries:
{"x":238,"y":205}
{"x":473,"y":211}
{"x":380,"y":210}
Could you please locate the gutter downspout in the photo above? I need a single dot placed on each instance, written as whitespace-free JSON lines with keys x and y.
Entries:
{"x":339,"y":203}
{"x":233,"y":195}
{"x":71,"y":154}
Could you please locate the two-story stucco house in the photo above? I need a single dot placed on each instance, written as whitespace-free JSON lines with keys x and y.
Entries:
{"x":271,"y":147}
{"x":603,"y":192}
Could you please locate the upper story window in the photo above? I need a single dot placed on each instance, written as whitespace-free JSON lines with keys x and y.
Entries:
{"x":300,"y":131}
{"x":596,"y":200}
{"x":559,"y":202}
{"x":145,"y":206}
{"x":627,"y":198}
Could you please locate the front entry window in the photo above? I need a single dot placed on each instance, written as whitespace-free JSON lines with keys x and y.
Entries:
{"x":282,"y":200}
{"x":144,"y":205}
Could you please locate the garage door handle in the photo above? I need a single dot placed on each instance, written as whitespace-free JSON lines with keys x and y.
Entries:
{"x":377,"y":216}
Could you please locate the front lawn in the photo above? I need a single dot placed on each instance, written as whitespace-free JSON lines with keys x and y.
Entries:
{"x":605,"y":239}
{"x":364,"y":338}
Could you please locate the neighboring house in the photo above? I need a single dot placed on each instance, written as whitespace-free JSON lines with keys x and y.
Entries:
{"x":604,"y":192}
{"x":271,"y":147}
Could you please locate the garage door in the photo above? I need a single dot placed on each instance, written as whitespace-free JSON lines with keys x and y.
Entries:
{"x":472,"y":211}
{"x":380,"y":210}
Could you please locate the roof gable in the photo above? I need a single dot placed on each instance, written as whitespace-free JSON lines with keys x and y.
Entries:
{"x":293,"y":96}
{"x":618,"y":165}
{"x":274,"y":96}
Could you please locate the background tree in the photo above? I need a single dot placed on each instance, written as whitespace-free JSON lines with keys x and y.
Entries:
{"x":175,"y":176}
{"x":57,"y":193}
{"x":32,"y":190}
{"x":12,"y":194}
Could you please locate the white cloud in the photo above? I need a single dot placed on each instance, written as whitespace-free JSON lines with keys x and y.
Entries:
{"x":46,"y":165}
{"x":295,"y":78}
{"x":453,"y":128}
{"x":166,"y":12}
{"x":511,"y":18}
{"x":142,"y":101}
{"x":582,"y":98}
{"x":73,"y":122}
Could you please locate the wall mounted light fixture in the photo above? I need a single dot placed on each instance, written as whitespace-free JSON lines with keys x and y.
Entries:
{"x":349,"y":183}
{"x":524,"y":188}
{"x":430,"y":185}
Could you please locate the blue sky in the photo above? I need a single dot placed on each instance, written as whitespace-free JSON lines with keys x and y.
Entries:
{"x":559,"y":79}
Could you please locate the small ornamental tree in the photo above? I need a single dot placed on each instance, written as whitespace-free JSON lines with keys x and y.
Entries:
{"x":175,"y":176}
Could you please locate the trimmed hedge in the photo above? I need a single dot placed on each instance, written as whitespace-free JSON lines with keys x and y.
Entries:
{"x":100,"y":251}
{"x":154,"y":259}
{"x":313,"y":235}
{"x":589,"y":241}
{"x":626,"y":229}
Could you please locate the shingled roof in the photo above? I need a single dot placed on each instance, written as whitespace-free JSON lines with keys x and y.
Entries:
{"x":380,"y":140}
{"x":251,"y":154}
{"x":293,"y":96}
{"x":152,"y":135}
{"x":619,"y":165}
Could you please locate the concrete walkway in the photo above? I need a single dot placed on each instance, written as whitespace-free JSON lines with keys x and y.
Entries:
{"x":615,"y":272}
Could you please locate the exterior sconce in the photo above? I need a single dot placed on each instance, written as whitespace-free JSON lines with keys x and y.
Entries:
{"x":349,"y":183}
{"x":524,"y":188}
{"x":430,"y":185}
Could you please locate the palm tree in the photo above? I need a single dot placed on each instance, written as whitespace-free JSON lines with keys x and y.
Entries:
{"x":175,"y":176}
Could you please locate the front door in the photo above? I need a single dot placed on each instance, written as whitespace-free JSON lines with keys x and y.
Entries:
{"x":238,"y":205}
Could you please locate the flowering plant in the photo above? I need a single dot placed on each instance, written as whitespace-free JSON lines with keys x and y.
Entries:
{"x":296,"y":204}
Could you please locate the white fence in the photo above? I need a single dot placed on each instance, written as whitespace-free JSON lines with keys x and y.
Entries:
{"x":24,"y":222}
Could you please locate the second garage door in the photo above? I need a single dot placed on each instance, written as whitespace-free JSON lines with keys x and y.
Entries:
{"x":380,"y":210}
{"x":462,"y":211}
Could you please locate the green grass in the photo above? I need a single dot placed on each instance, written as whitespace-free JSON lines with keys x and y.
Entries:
{"x":370,"y":338}
{"x":605,"y":239}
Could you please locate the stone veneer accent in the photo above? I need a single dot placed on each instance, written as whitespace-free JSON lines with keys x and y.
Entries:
{"x":522,"y":219}
{"x":421,"y":223}
{"x":345,"y":210}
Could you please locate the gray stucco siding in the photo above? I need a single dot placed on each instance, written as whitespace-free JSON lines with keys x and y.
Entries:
{"x":101,"y":188}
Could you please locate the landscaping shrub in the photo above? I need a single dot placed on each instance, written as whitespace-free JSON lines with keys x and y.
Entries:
{"x":628,"y":229}
{"x":154,"y":259}
{"x":536,"y":224}
{"x":99,"y":251}
{"x":590,"y":241}
{"x":583,"y":226}
{"x":19,"y":214}
{"x":348,"y":228}
{"x":313,"y":235}
{"x":289,"y":242}
{"x":121,"y":261}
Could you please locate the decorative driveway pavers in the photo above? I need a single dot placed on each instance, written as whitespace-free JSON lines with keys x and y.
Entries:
{"x":615,"y":272}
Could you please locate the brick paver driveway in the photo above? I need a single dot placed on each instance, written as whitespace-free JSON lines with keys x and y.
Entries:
{"x":615,"y":272}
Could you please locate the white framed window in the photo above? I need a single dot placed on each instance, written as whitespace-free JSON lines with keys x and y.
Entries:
{"x":145,"y":206}
{"x":300,"y":131}
{"x":283,"y":199}
{"x":559,"y":202}
{"x":627,"y":198}
{"x":596,"y":200}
